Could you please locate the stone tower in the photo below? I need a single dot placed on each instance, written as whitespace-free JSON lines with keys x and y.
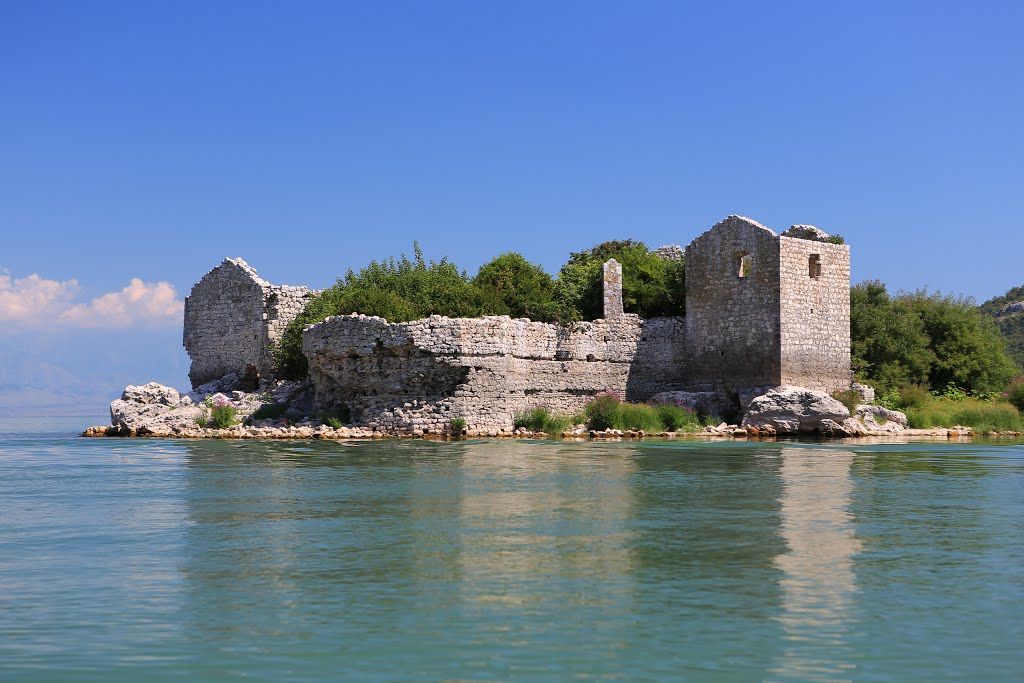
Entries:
{"x":764,"y":309}
{"x":232,"y":318}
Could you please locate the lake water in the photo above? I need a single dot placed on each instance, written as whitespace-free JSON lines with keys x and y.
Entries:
{"x":152,"y":560}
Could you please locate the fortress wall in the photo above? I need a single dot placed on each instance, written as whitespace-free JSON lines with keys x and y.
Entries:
{"x":416,"y":376}
{"x":815,"y":306}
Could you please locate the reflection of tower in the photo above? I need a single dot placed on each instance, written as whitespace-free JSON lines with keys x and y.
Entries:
{"x":818,"y":582}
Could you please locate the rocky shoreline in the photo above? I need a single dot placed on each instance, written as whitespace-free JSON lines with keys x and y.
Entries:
{"x":156,"y":411}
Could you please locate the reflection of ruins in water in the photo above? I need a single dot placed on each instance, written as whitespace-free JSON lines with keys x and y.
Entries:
{"x":818,"y":580}
{"x":532,"y":517}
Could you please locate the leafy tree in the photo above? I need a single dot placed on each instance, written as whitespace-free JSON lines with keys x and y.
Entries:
{"x":923,"y":338}
{"x":651,"y":286}
{"x":511,"y":285}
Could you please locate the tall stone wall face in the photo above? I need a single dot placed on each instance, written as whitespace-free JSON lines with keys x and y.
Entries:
{"x":232,"y":316}
{"x":815,"y":305}
{"x":732,"y":318}
{"x":415,"y":377}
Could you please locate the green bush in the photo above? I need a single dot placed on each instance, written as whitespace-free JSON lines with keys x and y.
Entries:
{"x":911,"y":396}
{"x":638,"y":416}
{"x":1015,"y":393}
{"x":651,"y":286}
{"x":849,"y":398}
{"x":678,"y":419}
{"x":603,"y":411}
{"x":223,"y":415}
{"x":456,"y":426}
{"x":269,"y":411}
{"x":541,"y":419}
{"x":333,"y":422}
{"x":511,"y":285}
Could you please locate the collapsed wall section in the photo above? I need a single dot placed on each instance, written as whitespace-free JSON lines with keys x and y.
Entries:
{"x":232,"y":316}
{"x":416,"y":377}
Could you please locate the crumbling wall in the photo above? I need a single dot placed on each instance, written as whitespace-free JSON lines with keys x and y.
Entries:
{"x":415,"y":377}
{"x":732,"y":316}
{"x":815,"y":313}
{"x":232,"y":316}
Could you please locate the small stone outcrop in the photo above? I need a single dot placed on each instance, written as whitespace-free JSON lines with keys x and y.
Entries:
{"x":1011,"y":309}
{"x":153,"y":409}
{"x":795,"y":410}
{"x":878,"y":419}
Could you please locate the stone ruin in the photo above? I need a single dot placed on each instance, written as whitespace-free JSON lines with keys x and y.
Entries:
{"x":232,"y":318}
{"x":762,"y":310}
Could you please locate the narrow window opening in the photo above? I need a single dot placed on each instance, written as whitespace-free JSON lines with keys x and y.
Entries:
{"x":814,"y":265}
{"x":745,"y":264}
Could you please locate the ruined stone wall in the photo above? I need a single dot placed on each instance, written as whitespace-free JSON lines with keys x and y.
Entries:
{"x":815,"y":307}
{"x":232,"y":316}
{"x":415,"y":377}
{"x":732,"y":318}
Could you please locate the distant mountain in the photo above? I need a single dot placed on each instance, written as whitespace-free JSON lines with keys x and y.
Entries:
{"x":1008,"y":312}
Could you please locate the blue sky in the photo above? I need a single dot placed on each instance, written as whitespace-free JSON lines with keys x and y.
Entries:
{"x":150,"y":140}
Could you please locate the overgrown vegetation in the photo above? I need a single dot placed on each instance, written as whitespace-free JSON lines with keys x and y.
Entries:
{"x":270,"y":411}
{"x":651,"y":286}
{"x":407,"y":289}
{"x":849,"y":398}
{"x":925,"y":338}
{"x":608,"y":411}
{"x":541,"y":419}
{"x":223,"y":412}
{"x":456,"y":426}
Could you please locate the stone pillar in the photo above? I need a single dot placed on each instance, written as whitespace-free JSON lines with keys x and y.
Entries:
{"x":613,"y":290}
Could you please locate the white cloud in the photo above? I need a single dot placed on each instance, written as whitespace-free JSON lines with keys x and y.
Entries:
{"x":32,"y":298}
{"x":36,"y":302}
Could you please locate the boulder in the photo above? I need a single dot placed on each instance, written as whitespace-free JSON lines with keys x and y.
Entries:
{"x":866,"y":393}
{"x":879,"y":419}
{"x":153,"y":409}
{"x":152,"y":393}
{"x":793,"y":410}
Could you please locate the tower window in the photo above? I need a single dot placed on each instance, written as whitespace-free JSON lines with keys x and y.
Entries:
{"x":814,"y":265}
{"x":745,"y":264}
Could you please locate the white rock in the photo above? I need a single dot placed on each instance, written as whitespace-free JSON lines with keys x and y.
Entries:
{"x":792,"y":410}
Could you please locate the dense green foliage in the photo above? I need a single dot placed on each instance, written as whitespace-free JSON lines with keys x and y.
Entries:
{"x":223,"y":415}
{"x":608,"y":411}
{"x":921,"y":338}
{"x":1012,"y":325}
{"x":407,"y":289}
{"x":270,"y":411}
{"x":541,"y":419}
{"x":651,"y":286}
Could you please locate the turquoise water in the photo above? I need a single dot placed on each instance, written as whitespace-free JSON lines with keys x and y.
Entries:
{"x":150,"y":560}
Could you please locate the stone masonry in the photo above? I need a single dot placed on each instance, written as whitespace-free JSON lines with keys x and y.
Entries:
{"x":766,"y":310}
{"x":415,"y":377}
{"x":232,"y":318}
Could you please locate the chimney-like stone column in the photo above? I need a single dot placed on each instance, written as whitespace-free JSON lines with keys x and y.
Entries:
{"x":613,"y":290}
